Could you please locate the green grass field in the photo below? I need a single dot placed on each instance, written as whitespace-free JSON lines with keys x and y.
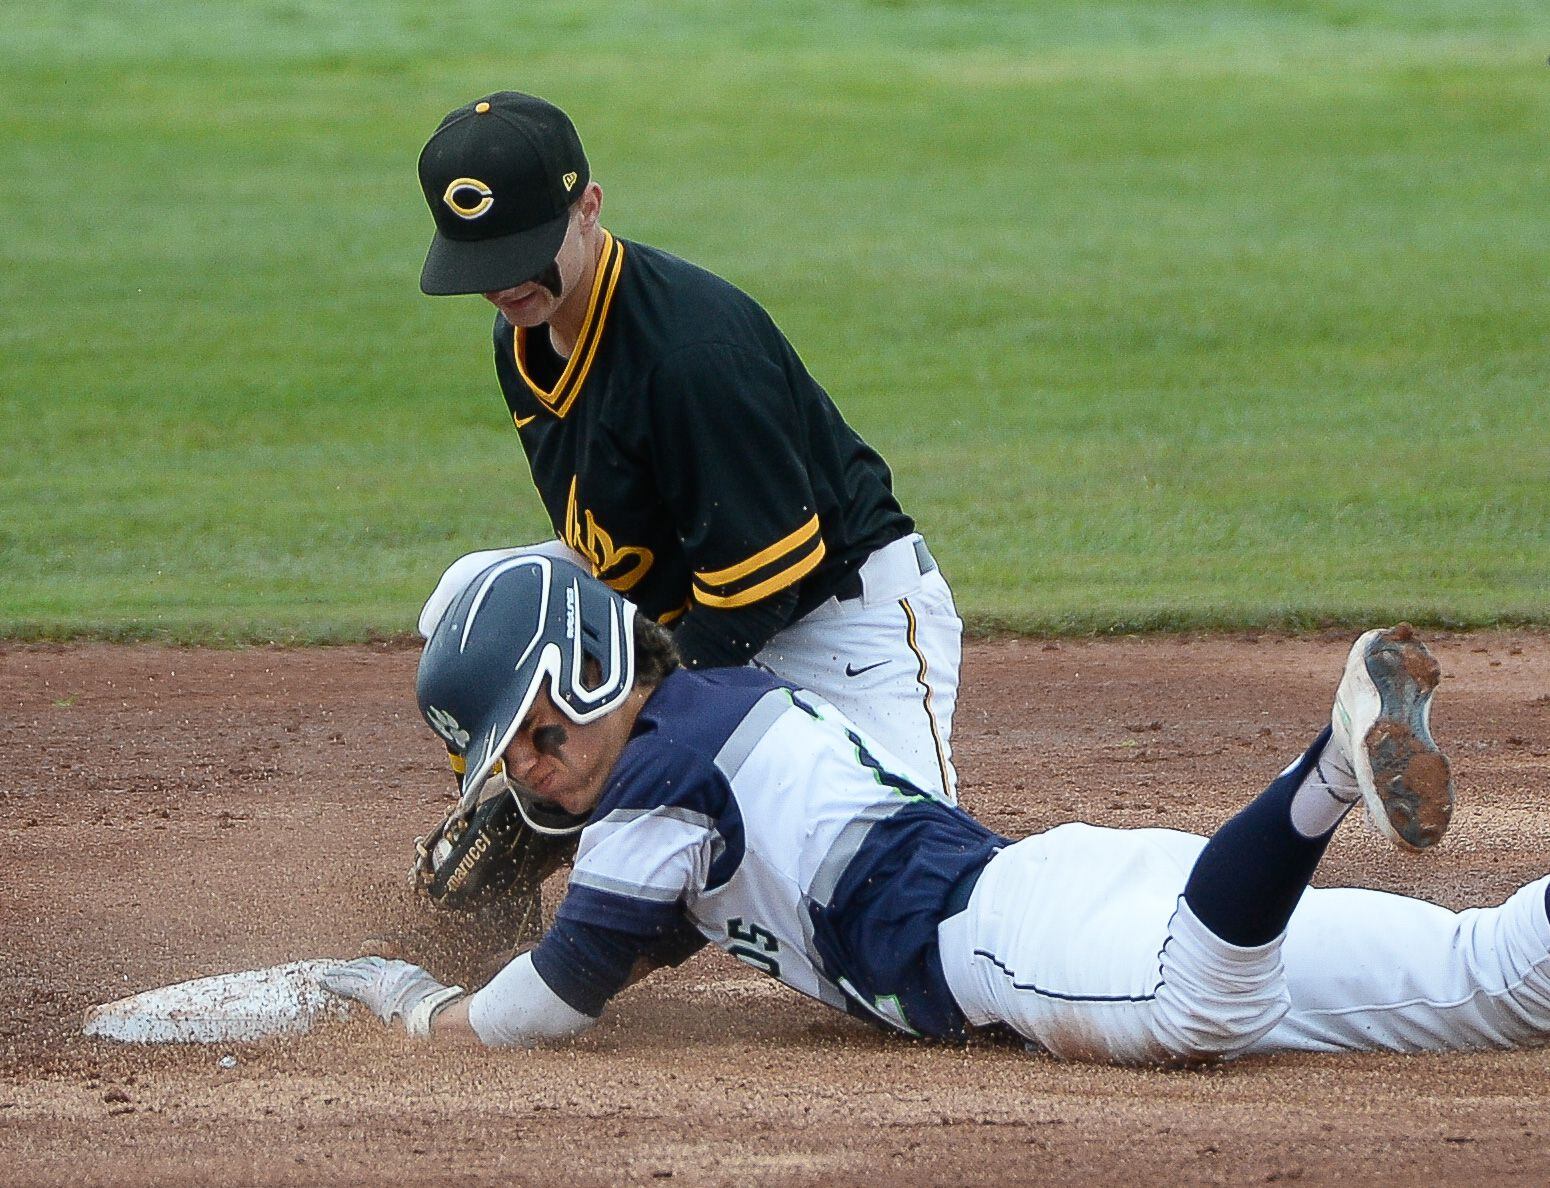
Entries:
{"x":1166,"y":314}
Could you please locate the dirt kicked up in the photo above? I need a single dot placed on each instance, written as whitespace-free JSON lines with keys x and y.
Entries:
{"x":171,"y":812}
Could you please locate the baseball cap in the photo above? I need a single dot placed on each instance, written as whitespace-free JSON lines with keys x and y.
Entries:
{"x":499,"y":175}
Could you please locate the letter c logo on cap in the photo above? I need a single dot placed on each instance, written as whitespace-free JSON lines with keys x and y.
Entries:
{"x":468,"y":197}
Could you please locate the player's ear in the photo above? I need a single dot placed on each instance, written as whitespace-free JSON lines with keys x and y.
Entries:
{"x":590,"y":206}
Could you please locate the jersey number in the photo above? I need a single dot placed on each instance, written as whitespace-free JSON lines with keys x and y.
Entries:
{"x":756,"y":947}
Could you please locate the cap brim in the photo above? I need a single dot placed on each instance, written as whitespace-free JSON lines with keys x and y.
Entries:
{"x":456,"y":266}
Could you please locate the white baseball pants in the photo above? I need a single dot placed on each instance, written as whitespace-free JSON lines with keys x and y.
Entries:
{"x":888,"y":661}
{"x":1079,"y":939}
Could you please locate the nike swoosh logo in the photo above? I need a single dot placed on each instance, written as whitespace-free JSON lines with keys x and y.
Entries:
{"x":852,"y":671}
{"x":523,"y":422}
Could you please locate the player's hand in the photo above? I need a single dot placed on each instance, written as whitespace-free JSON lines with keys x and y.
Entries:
{"x":394,"y":991}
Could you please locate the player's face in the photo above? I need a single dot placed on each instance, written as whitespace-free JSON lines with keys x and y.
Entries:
{"x":562,"y":762}
{"x":536,"y":302}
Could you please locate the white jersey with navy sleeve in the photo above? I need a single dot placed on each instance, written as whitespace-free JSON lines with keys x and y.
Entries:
{"x":753,"y":815}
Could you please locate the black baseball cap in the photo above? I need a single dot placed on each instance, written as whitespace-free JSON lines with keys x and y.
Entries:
{"x":499,"y":176}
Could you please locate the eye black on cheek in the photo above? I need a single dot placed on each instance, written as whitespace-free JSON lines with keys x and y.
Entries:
{"x":549,"y":278}
{"x":547,"y":740}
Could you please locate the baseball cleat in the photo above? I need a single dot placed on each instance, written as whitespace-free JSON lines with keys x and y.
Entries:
{"x":1382,"y":708}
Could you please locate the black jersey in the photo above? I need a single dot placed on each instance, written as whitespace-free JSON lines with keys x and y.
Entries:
{"x":686,"y":452}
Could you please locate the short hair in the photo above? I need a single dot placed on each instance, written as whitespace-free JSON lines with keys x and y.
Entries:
{"x":655,"y":653}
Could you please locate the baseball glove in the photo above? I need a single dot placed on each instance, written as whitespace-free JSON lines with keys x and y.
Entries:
{"x":487,"y":852}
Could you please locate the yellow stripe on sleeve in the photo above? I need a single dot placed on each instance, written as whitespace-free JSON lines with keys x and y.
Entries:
{"x":765,"y":588}
{"x":780,"y":548}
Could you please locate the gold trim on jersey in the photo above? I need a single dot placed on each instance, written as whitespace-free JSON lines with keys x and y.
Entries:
{"x":797,"y":556}
{"x":723,"y":577}
{"x":559,"y":399}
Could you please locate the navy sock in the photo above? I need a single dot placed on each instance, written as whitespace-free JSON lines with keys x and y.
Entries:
{"x":1252,"y":872}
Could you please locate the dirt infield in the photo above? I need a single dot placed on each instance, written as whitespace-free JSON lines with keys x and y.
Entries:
{"x":168,"y":812}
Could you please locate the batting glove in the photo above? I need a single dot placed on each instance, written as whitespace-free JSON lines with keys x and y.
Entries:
{"x":395,"y":991}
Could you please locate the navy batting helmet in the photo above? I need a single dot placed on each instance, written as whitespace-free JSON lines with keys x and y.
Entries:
{"x":524,"y":622}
